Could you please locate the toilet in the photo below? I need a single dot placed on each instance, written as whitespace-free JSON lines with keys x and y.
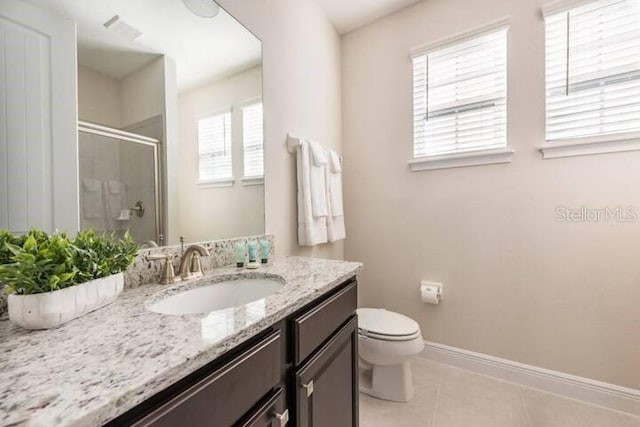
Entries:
{"x":386,"y":343}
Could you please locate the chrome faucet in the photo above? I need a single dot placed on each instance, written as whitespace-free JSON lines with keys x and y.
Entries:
{"x":190,"y":263}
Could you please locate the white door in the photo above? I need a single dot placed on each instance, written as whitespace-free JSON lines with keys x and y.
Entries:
{"x":38,"y":120}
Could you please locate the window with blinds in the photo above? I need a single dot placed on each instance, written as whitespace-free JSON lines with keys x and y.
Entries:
{"x":214,"y":148}
{"x":252,"y":140}
{"x":593,"y":70}
{"x":460,"y":96}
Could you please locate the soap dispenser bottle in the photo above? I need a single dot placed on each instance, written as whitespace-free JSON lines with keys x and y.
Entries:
{"x":240,"y":254}
{"x":253,"y":249}
{"x":264,"y":251}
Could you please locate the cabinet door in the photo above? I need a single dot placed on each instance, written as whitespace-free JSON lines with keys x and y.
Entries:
{"x":270,"y":412}
{"x":327,"y":385}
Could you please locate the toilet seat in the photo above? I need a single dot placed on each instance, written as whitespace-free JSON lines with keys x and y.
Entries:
{"x":380,"y":324}
{"x":374,"y":336}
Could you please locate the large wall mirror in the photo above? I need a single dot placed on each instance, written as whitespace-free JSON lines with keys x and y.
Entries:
{"x":140,"y":115}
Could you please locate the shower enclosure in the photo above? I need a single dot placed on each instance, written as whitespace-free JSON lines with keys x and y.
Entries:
{"x":119,"y":182}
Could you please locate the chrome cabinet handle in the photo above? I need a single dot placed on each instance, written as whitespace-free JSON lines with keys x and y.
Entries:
{"x":308,"y":387}
{"x":283,"y":417}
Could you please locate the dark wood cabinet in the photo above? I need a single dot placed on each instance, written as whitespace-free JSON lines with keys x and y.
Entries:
{"x":301,"y":371}
{"x":315,"y":325}
{"x":270,"y":412}
{"x":327,"y":384}
{"x":225,"y":395}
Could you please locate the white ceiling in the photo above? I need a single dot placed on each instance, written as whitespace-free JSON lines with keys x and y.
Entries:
{"x":347,"y":15}
{"x":204,"y":49}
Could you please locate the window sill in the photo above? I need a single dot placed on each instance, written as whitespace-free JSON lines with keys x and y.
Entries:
{"x":216,"y":183}
{"x":252,"y":180}
{"x":458,"y":160}
{"x":591,"y":145}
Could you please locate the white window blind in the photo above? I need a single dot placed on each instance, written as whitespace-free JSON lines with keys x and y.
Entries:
{"x":593,"y":70}
{"x":252,"y":140}
{"x":459,"y":96}
{"x":214,"y":147}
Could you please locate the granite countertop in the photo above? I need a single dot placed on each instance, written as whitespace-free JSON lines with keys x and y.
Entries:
{"x":97,"y":367}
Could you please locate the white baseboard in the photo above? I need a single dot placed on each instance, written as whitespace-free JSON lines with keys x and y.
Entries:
{"x":587,"y":390}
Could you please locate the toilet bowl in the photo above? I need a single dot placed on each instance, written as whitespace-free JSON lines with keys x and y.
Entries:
{"x":386,"y":343}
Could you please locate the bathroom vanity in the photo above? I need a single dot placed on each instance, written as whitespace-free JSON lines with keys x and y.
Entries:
{"x":303,"y":368}
{"x":287,"y":359}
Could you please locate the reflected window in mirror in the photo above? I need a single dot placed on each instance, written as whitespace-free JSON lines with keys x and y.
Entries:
{"x":214,"y":148}
{"x":252,"y":140}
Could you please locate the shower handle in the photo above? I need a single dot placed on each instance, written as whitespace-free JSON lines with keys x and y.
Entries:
{"x":138,"y":208}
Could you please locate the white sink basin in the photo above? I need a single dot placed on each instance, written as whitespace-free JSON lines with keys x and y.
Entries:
{"x":217,"y":296}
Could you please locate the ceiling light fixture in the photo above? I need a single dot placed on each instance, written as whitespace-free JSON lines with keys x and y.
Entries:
{"x":203,"y":8}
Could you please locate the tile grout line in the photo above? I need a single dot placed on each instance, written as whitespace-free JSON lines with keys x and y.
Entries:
{"x":523,"y":401}
{"x":435,"y":407}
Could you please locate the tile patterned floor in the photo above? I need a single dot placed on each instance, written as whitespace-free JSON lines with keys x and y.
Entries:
{"x":449,"y":397}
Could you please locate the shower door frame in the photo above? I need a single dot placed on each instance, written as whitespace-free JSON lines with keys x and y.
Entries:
{"x":118,"y":134}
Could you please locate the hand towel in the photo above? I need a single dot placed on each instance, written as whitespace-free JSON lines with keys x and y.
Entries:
{"x":335,"y":221}
{"x":311,"y":230}
{"x":114,"y":187}
{"x":115,"y":201}
{"x":335,"y":161}
{"x":91,"y":198}
{"x":318,"y":167}
{"x":335,"y":184}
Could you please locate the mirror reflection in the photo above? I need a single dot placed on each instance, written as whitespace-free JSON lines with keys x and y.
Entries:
{"x":154,"y":123}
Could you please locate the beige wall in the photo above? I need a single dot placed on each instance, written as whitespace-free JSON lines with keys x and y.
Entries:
{"x":210,"y":213}
{"x":119,"y":103}
{"x":301,"y":91}
{"x":518,"y":283}
{"x":98,"y":98}
{"x":142,"y":92}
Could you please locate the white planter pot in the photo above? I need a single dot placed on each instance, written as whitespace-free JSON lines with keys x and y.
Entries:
{"x":52,"y":309}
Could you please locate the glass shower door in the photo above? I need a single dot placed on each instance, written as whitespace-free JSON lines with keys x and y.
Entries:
{"x":119,"y":183}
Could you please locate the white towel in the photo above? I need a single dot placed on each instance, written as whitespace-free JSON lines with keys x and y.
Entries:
{"x":91,"y":198}
{"x":335,"y":161}
{"x":335,"y":221}
{"x":116,"y":198}
{"x":319,"y":162}
{"x":335,"y":184}
{"x":115,"y":187}
{"x":311,"y":230}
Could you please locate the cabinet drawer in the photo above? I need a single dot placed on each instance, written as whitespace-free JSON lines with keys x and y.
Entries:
{"x":270,"y":412}
{"x":224,"y":396}
{"x":313,"y":327}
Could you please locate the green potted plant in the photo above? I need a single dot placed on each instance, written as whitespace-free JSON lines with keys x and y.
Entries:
{"x":52,"y":279}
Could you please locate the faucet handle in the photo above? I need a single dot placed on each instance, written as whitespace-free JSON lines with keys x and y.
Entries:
{"x":196,"y":266}
{"x":168,"y":275}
